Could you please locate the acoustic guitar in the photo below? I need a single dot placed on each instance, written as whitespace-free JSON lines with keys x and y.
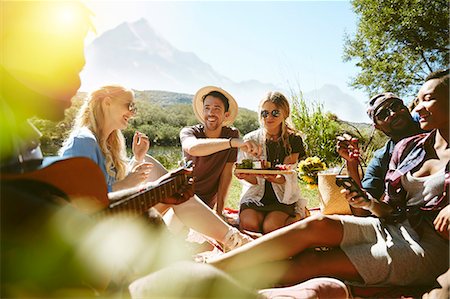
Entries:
{"x":83,"y":183}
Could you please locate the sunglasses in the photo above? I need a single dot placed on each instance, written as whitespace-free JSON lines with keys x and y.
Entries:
{"x":132,"y":107}
{"x":275,"y":113}
{"x":385,"y":112}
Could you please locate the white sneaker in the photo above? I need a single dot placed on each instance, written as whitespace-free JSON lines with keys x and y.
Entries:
{"x":234,"y":239}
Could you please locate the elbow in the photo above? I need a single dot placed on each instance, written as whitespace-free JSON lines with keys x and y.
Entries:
{"x":191,"y":150}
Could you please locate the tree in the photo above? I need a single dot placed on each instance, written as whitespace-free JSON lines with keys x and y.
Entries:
{"x":246,"y":121}
{"x":398,"y":43}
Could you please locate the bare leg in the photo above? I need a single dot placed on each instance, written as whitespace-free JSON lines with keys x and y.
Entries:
{"x":283,"y":243}
{"x":274,"y":220}
{"x":195,"y":214}
{"x":250,"y":220}
{"x":310,"y":264}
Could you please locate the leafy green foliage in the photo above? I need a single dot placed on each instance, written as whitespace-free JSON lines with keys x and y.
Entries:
{"x":246,"y":121}
{"x":319,"y":128}
{"x":161,"y":115}
{"x":398,"y":43}
{"x":54,"y":133}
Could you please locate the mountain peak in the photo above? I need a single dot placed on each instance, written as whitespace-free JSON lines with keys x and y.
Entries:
{"x":135,"y":55}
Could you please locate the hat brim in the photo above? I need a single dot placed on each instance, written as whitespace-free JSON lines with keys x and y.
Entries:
{"x":197,"y":104}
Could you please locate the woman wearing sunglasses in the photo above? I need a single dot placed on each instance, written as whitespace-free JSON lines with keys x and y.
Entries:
{"x":269,"y":202}
{"x":97,"y":135}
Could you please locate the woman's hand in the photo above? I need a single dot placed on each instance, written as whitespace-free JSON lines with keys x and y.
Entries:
{"x":249,"y":177}
{"x":274,"y":178}
{"x":184,"y":193}
{"x":442,"y":222}
{"x":136,"y":177}
{"x":140,"y":146}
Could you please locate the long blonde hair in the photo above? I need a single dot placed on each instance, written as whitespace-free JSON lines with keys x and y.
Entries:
{"x":92,"y":116}
{"x":282,"y":104}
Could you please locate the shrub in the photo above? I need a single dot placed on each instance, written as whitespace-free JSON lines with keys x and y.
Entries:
{"x":319,"y":129}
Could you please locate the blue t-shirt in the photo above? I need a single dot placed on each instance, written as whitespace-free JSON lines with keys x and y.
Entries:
{"x":373,"y":181}
{"x":83,"y":143}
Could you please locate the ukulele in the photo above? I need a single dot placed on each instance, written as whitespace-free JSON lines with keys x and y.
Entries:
{"x":83,"y":183}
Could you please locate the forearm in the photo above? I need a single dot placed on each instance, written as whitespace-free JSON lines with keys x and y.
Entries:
{"x":352,"y":168}
{"x":379,"y":208}
{"x":199,"y":147}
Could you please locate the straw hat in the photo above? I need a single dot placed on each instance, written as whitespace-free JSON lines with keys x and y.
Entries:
{"x":197,"y":104}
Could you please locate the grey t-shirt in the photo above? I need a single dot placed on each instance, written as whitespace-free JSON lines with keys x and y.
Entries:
{"x":207,"y":169}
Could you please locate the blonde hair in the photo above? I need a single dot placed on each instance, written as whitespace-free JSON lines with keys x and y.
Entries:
{"x":282,"y":104}
{"x":92,"y":116}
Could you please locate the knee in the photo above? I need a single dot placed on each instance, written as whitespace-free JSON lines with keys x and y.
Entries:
{"x":270,"y":226}
{"x":319,"y":223}
{"x":249,"y":223}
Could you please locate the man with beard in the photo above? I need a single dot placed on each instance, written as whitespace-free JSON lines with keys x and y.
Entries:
{"x":212,"y":145}
{"x":392,"y":117}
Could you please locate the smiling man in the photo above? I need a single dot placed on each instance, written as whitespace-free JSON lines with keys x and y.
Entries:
{"x":392,"y":117}
{"x":212,"y":145}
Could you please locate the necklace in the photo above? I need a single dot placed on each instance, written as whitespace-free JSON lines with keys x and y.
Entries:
{"x":273,"y":137}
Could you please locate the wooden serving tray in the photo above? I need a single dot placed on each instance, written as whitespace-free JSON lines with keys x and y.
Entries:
{"x":264,"y":171}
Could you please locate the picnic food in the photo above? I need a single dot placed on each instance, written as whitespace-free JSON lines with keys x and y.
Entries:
{"x":260,"y":164}
{"x":245,"y":164}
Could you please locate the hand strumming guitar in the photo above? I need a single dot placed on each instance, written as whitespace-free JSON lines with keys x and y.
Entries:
{"x":185,"y":193}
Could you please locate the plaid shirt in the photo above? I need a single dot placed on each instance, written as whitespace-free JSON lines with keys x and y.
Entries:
{"x":408,"y":154}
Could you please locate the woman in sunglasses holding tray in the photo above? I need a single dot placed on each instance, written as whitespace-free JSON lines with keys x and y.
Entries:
{"x":272,"y":200}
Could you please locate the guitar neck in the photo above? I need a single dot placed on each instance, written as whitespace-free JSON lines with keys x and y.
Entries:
{"x":139,"y":203}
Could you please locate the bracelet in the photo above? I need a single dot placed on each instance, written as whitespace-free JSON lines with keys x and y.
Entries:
{"x":229,"y":140}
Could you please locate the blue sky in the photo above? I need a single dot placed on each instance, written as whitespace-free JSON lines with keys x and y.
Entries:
{"x":286,"y":43}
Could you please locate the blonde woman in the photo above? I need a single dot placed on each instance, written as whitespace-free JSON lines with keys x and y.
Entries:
{"x":97,"y":135}
{"x":269,"y":202}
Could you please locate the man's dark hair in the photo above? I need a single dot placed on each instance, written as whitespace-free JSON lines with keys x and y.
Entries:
{"x":220,"y":96}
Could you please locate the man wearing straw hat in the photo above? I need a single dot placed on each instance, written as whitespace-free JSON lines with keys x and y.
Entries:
{"x":212,"y":145}
{"x":392,"y":117}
